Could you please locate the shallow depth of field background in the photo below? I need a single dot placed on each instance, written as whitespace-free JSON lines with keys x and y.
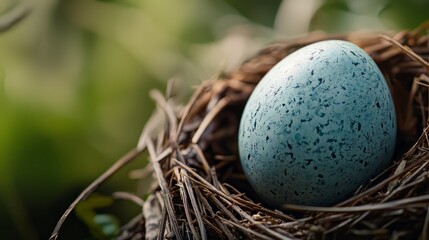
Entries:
{"x":75,"y":77}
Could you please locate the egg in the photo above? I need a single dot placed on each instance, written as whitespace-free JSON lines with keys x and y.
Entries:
{"x":319,"y":124}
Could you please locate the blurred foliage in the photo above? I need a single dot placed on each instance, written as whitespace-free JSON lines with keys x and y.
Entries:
{"x":75,"y":76}
{"x":253,"y":10}
{"x":418,"y":12}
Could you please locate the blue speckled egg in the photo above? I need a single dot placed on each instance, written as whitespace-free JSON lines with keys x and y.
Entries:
{"x":319,"y":124}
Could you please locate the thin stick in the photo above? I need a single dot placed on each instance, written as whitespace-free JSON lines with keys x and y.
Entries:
{"x":215,"y":217}
{"x":188,"y":216}
{"x":262,"y":227}
{"x":194,"y":203}
{"x":228,"y":213}
{"x":249,"y":218}
{"x":407,"y":50}
{"x":163,"y":104}
{"x":162,"y":224}
{"x":379,"y":186}
{"x":201,"y":157}
{"x":188,"y":109}
{"x":94,"y":186}
{"x":244,"y":229}
{"x":209,"y":118}
{"x":416,"y":201}
{"x":130,"y":197}
{"x":168,"y":202}
{"x":237,"y":201}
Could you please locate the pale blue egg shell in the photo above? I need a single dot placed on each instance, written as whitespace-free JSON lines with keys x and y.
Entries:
{"x":319,"y":124}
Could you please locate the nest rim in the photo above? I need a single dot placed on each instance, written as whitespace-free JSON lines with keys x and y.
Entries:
{"x":189,"y":199}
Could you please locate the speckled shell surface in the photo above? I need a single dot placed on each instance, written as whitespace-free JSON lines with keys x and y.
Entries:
{"x":319,"y":124}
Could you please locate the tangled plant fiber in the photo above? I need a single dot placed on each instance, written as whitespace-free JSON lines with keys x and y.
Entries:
{"x":199,"y":190}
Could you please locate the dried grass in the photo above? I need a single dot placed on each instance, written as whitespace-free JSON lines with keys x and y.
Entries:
{"x":200,"y":191}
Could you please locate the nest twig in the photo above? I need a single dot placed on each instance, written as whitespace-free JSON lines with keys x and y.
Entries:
{"x":200,"y":191}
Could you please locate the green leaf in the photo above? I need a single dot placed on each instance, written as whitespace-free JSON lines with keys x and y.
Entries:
{"x":108,"y":224}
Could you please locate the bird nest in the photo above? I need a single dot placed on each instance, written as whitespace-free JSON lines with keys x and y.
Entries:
{"x":199,"y":190}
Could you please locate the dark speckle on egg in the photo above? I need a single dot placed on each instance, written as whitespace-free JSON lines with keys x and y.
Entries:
{"x":317,"y":126}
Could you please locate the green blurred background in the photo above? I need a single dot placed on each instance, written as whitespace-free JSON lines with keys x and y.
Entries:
{"x":75,"y":77}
